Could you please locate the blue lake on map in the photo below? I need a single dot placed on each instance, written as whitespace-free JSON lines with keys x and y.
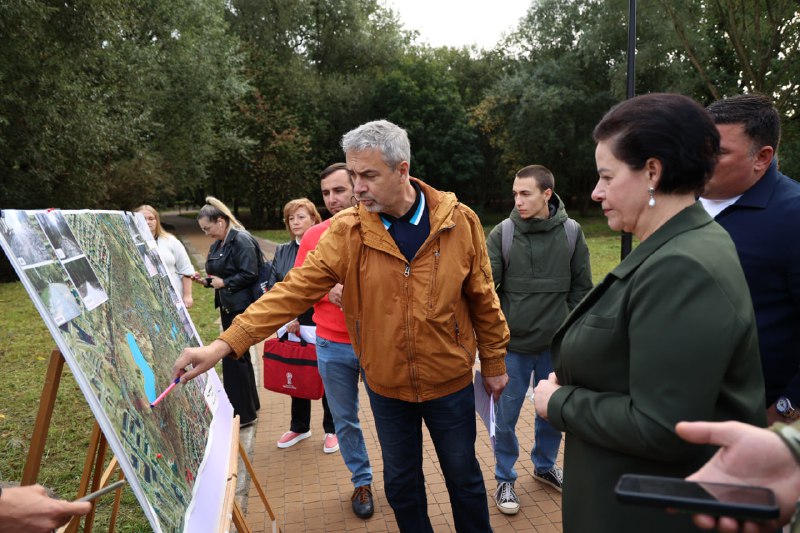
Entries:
{"x":147,"y":372}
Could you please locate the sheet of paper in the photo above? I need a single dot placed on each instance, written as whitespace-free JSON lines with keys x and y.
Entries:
{"x":484,"y":405}
{"x":309,"y":334}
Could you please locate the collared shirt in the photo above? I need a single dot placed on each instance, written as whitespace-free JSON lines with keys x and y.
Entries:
{"x":410,"y":230}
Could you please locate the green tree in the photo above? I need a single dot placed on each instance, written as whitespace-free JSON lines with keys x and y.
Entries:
{"x":107,"y":104}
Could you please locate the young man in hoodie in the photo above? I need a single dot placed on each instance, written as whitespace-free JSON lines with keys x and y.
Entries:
{"x":541,"y":273}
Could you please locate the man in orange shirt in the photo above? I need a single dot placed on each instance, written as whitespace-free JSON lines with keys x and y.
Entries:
{"x":338,"y":364}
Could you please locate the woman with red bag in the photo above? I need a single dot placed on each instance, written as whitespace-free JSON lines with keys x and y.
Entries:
{"x":299,"y":215}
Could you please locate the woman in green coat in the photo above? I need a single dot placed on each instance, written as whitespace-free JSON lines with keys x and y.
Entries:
{"x":668,"y":335}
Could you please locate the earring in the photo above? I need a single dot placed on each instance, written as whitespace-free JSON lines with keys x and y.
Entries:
{"x":652,"y":201}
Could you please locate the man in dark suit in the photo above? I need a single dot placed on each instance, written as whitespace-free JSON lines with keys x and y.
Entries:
{"x":760,"y":209}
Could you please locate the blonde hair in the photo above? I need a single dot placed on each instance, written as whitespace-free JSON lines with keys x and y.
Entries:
{"x":300,"y":203}
{"x":215,"y":209}
{"x":160,"y":231}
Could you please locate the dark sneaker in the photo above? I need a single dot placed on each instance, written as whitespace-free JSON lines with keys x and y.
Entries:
{"x":506,"y":499}
{"x":553,"y":477}
{"x":362,"y":502}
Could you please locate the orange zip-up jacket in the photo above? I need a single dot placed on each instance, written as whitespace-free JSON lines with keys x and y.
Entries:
{"x":415,"y":327}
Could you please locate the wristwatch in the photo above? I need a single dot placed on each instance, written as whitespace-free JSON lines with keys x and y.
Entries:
{"x":786,"y":409}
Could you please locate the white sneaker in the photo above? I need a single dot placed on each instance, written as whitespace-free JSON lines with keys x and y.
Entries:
{"x":506,"y":498}
{"x":290,"y":438}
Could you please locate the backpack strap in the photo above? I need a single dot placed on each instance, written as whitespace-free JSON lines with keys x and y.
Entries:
{"x":571,"y":229}
{"x":507,"y":236}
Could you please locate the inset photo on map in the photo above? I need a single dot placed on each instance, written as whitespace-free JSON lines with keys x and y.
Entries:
{"x":50,"y":283}
{"x":147,"y":259}
{"x":186,"y":322}
{"x":133,"y":227}
{"x":61,"y":237}
{"x":26,"y":241}
{"x":85,"y":280}
{"x":173,"y":294}
{"x":141,"y":225}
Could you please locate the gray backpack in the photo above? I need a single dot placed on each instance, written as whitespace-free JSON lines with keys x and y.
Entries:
{"x":507,"y":236}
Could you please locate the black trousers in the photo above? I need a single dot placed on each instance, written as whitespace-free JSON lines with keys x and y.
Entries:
{"x":239,"y":379}
{"x":301,"y":416}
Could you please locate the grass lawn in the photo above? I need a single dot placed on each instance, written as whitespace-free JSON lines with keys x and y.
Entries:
{"x":25,"y":346}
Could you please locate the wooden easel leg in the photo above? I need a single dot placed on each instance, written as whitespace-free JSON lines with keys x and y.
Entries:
{"x":261,"y":493}
{"x":95,"y":456}
{"x":239,"y":521}
{"x":46,"y":404}
{"x":115,"y":510}
{"x":98,"y":469}
{"x":95,"y":443}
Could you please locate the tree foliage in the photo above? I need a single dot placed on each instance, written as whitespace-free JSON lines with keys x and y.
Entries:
{"x":110,"y":103}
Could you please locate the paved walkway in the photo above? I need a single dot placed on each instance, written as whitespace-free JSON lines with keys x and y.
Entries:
{"x":309,"y":490}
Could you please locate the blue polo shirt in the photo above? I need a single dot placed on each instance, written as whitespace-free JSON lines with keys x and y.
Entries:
{"x":410,"y":230}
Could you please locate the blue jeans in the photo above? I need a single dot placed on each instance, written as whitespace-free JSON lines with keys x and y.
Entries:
{"x":451,"y":423}
{"x":339,"y":369}
{"x":547,"y":439}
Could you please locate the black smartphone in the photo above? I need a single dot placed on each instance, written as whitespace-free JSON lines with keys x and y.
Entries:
{"x":718,"y":499}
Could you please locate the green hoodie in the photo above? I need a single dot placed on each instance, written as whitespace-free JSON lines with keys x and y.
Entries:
{"x":543,"y":283}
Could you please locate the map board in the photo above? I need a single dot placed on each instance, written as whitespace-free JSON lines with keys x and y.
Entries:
{"x":104,"y":293}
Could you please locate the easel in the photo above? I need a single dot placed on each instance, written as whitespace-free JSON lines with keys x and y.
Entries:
{"x":95,"y":458}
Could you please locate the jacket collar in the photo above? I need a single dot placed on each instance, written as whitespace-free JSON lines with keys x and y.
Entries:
{"x":688,"y":219}
{"x":230,"y":236}
{"x":760,"y":193}
{"x":558,"y":215}
{"x":440,"y":208}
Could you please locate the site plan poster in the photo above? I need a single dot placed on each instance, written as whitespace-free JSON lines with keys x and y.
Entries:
{"x":98,"y":282}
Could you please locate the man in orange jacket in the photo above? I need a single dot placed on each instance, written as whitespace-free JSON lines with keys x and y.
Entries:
{"x":419,"y":300}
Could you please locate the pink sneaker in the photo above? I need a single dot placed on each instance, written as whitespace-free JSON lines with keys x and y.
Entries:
{"x":290,"y":438}
{"x":331,"y":443}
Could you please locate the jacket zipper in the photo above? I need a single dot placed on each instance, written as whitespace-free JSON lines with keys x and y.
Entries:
{"x":432,"y":294}
{"x":458,"y":338}
{"x":407,"y":290}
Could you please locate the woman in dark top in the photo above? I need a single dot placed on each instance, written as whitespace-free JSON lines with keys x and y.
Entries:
{"x":668,"y":335}
{"x":231,"y":270}
{"x":299,"y":215}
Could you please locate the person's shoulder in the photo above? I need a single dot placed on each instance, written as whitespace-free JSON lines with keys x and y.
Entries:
{"x":790,"y":189}
{"x":242,"y":238}
{"x":345,"y":220}
{"x":317,"y":229}
{"x":169,"y":239}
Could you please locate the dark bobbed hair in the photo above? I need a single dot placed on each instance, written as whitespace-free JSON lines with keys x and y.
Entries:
{"x":756,"y":113}
{"x":672,"y":128}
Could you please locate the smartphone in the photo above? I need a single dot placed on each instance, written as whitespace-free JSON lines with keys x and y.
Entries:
{"x":718,"y":499}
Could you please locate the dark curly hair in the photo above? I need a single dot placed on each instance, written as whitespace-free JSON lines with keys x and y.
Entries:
{"x":672,"y":128}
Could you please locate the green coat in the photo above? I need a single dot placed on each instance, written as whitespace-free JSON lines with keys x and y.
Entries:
{"x":668,"y":335}
{"x":545,"y":279}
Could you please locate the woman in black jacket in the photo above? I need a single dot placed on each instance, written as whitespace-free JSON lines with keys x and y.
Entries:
{"x":231,"y":270}
{"x":299,"y":215}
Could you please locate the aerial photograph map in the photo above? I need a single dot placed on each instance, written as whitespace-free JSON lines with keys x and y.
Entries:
{"x":122,"y":327}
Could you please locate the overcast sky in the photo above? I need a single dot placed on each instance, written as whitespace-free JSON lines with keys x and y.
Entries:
{"x":460,"y":22}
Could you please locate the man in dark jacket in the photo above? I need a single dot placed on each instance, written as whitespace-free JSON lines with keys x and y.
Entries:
{"x":541,"y":276}
{"x":760,"y":208}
